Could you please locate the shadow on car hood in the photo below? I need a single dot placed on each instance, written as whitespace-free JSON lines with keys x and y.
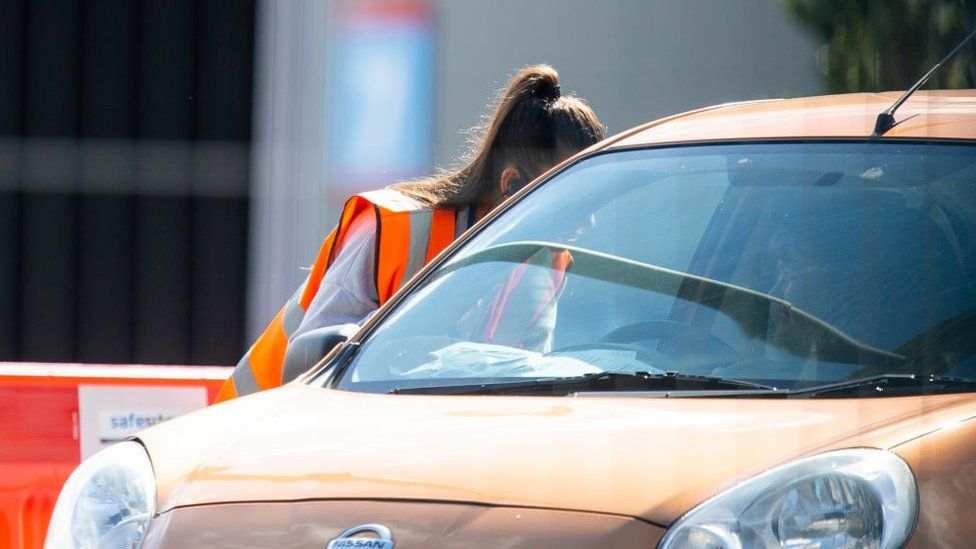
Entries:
{"x":651,"y":458}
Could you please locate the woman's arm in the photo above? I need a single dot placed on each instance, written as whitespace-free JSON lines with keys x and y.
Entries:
{"x":347,"y":294}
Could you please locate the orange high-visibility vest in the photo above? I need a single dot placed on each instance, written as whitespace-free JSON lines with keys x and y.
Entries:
{"x":407,"y":237}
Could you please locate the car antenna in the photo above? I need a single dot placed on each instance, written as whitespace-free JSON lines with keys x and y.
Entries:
{"x":886,"y":120}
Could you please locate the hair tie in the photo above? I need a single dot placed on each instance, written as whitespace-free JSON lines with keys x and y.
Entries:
{"x":551,"y":94}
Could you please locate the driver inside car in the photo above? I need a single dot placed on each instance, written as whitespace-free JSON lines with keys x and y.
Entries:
{"x":791,"y":254}
{"x":509,"y":329}
{"x":521,"y":310}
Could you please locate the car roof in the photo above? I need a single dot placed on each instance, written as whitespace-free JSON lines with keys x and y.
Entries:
{"x":938,"y":114}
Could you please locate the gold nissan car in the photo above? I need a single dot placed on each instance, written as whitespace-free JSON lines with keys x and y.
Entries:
{"x":763,"y":334}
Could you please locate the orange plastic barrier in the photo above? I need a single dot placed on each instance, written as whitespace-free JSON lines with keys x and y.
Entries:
{"x":53,"y":414}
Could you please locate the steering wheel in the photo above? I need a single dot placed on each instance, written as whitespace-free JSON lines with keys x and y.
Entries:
{"x":675,"y":336}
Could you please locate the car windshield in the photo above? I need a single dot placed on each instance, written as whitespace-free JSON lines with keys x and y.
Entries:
{"x":787,"y":265}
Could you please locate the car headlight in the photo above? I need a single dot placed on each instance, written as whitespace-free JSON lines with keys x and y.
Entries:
{"x":107,"y":501}
{"x":848,"y":498}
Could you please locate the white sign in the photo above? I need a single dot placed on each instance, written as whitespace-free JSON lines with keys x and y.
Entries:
{"x":110,"y":413}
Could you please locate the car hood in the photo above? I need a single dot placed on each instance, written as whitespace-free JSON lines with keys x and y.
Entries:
{"x":652,"y":458}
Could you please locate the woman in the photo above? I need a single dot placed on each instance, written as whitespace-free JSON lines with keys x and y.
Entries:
{"x":384,"y":237}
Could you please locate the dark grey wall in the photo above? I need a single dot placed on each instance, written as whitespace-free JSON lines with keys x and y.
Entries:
{"x":124,"y":135}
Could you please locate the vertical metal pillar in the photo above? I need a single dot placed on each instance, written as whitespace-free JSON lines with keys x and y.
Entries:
{"x":289,"y":216}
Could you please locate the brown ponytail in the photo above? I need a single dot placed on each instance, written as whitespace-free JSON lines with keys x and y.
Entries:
{"x":532,"y":128}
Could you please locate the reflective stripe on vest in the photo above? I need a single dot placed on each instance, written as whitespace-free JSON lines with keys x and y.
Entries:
{"x":407,"y":237}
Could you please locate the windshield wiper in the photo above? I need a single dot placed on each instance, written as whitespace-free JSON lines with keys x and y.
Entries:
{"x":887,"y":385}
{"x":598,"y":381}
{"x":673,"y":384}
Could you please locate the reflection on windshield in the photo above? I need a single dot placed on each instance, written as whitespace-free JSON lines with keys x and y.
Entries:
{"x":792,"y":265}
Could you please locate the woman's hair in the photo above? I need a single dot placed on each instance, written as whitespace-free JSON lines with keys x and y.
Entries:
{"x":532,"y":128}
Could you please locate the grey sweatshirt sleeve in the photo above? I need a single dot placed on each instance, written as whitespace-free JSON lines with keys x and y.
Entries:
{"x":347,"y":293}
